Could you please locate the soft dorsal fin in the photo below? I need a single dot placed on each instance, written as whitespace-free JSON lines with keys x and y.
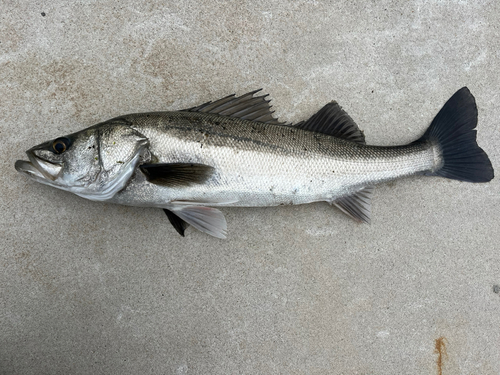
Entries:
{"x":357,"y":206}
{"x":334,"y":121}
{"x":245,"y":107}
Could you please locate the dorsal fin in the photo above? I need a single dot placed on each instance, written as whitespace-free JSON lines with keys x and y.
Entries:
{"x":333,"y":120}
{"x":245,"y":107}
{"x":357,"y":206}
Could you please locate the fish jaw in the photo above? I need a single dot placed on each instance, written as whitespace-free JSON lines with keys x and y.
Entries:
{"x":39,"y":169}
{"x":28,"y":169}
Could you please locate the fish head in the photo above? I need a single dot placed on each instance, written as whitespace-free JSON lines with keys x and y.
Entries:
{"x":94,"y":163}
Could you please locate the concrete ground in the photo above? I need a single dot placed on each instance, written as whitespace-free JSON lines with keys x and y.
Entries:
{"x":94,"y":288}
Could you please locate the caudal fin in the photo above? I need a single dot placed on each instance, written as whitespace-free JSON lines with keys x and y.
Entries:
{"x":453,"y":132}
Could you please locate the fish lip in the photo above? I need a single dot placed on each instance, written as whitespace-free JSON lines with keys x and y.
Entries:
{"x":25,"y":167}
{"x":37,"y":167}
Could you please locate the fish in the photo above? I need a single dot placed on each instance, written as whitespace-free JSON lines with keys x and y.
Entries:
{"x":233,"y":152}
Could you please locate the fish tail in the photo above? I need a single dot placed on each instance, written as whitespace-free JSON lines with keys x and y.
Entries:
{"x":453,"y":134}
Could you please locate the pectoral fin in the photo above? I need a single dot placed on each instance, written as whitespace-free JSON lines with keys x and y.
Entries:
{"x":177,"y":174}
{"x":357,"y":206}
{"x":206,"y":219}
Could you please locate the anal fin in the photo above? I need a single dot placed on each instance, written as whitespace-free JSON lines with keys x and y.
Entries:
{"x":357,"y":206}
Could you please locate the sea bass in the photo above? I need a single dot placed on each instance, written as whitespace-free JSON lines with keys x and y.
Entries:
{"x":233,"y":152}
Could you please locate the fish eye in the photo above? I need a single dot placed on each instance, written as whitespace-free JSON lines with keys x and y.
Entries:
{"x":60,"y":145}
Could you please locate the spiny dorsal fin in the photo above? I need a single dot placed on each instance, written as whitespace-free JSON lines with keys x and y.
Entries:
{"x":334,"y":121}
{"x":176,"y":174}
{"x":245,"y":107}
{"x":179,"y":224}
{"x":357,"y":206}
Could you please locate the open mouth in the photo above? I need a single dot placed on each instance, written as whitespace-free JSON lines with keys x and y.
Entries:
{"x":38,"y":168}
{"x":27,"y":168}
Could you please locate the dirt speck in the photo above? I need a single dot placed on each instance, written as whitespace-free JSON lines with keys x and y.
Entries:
{"x":392,"y":184}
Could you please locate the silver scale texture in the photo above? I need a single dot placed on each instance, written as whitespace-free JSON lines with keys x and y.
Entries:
{"x":258,"y":164}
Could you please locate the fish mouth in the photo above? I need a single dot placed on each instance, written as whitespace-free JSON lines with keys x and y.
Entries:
{"x":37,"y":168}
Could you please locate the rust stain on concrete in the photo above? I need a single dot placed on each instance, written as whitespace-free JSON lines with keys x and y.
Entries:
{"x":440,"y":350}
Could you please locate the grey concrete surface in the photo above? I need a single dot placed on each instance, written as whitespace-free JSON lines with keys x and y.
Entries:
{"x":93,"y":288}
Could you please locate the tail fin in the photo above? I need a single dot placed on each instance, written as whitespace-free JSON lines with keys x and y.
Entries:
{"x":452,"y":130}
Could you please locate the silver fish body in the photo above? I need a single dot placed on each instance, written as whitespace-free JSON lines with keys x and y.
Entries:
{"x":258,"y":164}
{"x":232,"y":152}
